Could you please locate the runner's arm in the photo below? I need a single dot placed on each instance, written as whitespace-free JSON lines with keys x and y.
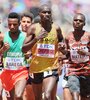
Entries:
{"x":27,"y":46}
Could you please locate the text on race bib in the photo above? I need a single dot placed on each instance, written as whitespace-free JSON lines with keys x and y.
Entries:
{"x":45,"y":50}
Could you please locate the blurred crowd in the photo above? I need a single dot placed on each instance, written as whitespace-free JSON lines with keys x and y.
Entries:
{"x":63,"y":10}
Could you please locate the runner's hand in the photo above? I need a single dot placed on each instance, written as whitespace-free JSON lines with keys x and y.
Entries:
{"x":42,"y":34}
{"x":81,"y":52}
{"x":61,"y":46}
{"x":6,"y":46}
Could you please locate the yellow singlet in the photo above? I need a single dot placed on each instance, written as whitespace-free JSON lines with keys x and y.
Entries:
{"x":44,"y":52}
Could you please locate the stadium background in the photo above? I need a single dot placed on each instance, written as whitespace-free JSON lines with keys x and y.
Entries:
{"x":63,"y":11}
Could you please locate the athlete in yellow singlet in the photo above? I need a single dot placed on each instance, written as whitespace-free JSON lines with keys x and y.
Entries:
{"x":44,"y":48}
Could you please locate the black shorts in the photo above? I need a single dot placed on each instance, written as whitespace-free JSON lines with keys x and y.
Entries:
{"x":29,"y":80}
{"x":38,"y":77}
{"x":85,"y":86}
{"x":53,"y":72}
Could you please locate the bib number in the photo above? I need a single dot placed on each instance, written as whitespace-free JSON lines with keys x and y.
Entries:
{"x":45,"y":50}
{"x":13,"y":63}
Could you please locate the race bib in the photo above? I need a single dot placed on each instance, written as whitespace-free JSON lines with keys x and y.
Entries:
{"x":45,"y":50}
{"x":13,"y":63}
{"x":76,"y":58}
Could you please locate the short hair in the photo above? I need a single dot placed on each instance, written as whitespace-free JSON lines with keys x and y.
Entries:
{"x":44,"y":5}
{"x":29,"y":14}
{"x":80,"y":15}
{"x":14,"y":15}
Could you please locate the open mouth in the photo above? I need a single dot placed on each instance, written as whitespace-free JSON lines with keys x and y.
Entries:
{"x":47,"y":18}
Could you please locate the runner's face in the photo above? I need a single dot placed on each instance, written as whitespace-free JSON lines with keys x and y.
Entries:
{"x":25,"y":23}
{"x":78,"y":22}
{"x":45,"y":14}
{"x":13,"y":25}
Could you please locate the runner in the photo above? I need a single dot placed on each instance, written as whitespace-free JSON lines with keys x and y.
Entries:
{"x":1,"y":67}
{"x":15,"y":73}
{"x":77,"y":78}
{"x":26,"y":21}
{"x":44,"y":54}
